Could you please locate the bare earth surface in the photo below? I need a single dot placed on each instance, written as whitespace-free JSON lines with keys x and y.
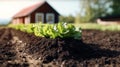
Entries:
{"x":95,"y":49}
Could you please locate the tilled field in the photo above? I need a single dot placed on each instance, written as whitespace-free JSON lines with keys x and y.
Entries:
{"x":96,"y":49}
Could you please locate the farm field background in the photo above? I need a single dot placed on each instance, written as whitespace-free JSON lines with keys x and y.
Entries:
{"x":113,"y":27}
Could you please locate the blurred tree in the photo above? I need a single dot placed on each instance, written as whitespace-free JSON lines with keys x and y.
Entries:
{"x":92,"y":9}
{"x":115,"y":7}
{"x":77,"y":18}
{"x":62,"y":18}
{"x":68,"y":19}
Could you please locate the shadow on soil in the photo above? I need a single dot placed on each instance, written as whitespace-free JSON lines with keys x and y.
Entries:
{"x":96,"y":52}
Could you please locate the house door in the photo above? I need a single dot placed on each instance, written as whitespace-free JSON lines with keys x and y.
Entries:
{"x":50,"y":18}
{"x":39,"y":17}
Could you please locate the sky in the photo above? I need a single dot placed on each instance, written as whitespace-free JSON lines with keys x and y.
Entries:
{"x":9,"y":8}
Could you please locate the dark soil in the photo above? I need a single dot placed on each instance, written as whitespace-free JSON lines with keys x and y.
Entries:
{"x":95,"y":49}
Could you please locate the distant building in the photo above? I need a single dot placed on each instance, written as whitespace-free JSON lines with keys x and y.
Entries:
{"x":107,"y":20}
{"x":40,"y":12}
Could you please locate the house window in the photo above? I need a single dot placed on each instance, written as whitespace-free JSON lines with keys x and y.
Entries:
{"x":50,"y":18}
{"x":39,"y":17}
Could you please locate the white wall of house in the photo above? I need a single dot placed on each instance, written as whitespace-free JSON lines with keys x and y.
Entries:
{"x":27,"y":20}
{"x":15,"y":21}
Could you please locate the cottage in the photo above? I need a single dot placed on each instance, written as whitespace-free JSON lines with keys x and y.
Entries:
{"x":107,"y":20}
{"x":40,"y":12}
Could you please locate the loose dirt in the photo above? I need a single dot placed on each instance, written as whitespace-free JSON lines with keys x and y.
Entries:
{"x":95,"y":49}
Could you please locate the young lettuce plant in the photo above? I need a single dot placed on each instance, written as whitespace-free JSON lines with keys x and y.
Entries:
{"x":69,"y":31}
{"x":29,"y":28}
{"x":60,"y":30}
{"x":38,"y":31}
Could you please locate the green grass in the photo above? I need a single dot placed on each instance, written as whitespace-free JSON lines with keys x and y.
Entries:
{"x":98,"y":26}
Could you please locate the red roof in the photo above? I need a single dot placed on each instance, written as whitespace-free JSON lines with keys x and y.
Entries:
{"x":28,"y":10}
